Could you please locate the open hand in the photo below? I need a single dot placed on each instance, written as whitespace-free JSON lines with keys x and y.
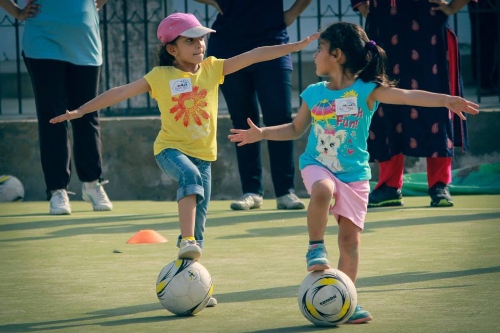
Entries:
{"x":443,"y":6}
{"x":69,"y":115}
{"x":243,"y":137}
{"x":30,"y":10}
{"x":459,"y":105}
{"x":304,"y":42}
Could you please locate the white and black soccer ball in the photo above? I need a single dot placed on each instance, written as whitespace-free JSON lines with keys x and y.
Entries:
{"x":327,"y":298}
{"x":11,"y":189}
{"x":184,"y":287}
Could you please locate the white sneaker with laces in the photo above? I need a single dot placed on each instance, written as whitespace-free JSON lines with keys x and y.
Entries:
{"x":59,"y":203}
{"x":247,"y":201}
{"x":189,"y":249}
{"x":289,"y":201}
{"x":94,"y":193}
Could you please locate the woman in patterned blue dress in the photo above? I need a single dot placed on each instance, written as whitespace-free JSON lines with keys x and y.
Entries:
{"x":422,"y":53}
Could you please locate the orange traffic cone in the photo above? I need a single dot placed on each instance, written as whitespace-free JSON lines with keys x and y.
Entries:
{"x":147,"y":237}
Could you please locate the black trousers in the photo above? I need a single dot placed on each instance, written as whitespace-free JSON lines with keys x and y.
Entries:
{"x":59,"y":86}
{"x":244,"y":91}
{"x":485,"y":51}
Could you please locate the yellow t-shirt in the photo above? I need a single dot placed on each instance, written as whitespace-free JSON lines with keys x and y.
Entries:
{"x":188,"y":106}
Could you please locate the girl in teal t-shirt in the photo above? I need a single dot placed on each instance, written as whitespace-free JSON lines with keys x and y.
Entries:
{"x":335,"y":162}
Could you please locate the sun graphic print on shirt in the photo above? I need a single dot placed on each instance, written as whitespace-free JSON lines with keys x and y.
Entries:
{"x":190,"y":109}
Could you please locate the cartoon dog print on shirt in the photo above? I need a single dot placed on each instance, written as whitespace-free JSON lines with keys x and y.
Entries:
{"x":327,"y":146}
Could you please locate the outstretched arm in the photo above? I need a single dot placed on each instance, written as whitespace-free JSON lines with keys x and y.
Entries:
{"x":362,"y":6}
{"x":290,"y":131}
{"x":293,"y":12}
{"x":107,"y":98}
{"x":449,"y":8}
{"x":212,"y":3}
{"x":391,"y":95}
{"x":264,"y":53}
{"x":99,"y":4}
{"x":30,"y":10}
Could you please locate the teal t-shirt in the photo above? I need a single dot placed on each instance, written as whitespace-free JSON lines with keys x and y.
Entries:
{"x":64,"y":30}
{"x":339,"y":129}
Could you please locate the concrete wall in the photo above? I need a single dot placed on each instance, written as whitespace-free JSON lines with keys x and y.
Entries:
{"x":130,"y":167}
{"x":128,"y":161}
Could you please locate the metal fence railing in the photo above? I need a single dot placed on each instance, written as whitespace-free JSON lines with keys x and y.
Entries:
{"x":128,"y":33}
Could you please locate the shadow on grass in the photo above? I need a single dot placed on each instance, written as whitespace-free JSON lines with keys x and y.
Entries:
{"x":243,"y":296}
{"x":102,"y":224}
{"x":375,"y":281}
{"x":281,"y":231}
{"x":296,"y":329}
{"x":92,"y":317}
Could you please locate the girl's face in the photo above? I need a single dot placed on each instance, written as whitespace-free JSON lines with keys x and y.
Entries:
{"x":188,"y":52}
{"x":323,"y":59}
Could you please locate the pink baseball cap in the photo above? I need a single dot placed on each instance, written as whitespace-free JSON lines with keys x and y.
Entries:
{"x":180,"y":24}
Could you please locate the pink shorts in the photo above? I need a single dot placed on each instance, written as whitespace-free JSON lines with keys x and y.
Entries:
{"x":351,"y":199}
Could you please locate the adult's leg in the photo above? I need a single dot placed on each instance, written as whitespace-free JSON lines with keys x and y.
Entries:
{"x":274,"y":91}
{"x":485,"y":45}
{"x":49,"y":81}
{"x":438,"y":178}
{"x":438,"y":171}
{"x":387,"y":192}
{"x":81,"y":86}
{"x":391,"y":172}
{"x":239,"y":92}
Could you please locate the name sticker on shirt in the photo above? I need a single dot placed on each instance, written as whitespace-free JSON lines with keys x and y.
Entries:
{"x":347,"y":105}
{"x":180,"y":86}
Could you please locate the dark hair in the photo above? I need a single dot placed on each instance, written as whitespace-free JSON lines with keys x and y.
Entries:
{"x":165,"y":58}
{"x":363,"y":56}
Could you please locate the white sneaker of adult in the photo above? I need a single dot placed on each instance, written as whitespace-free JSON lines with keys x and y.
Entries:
{"x":59,"y":203}
{"x":247,"y":201}
{"x":94,"y":193}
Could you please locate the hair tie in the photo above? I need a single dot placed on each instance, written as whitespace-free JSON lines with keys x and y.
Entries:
{"x":371,"y":45}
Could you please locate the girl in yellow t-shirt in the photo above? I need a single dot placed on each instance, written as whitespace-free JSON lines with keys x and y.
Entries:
{"x":185,"y":85}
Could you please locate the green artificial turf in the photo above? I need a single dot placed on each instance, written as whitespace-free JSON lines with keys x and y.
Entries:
{"x":422,"y":269}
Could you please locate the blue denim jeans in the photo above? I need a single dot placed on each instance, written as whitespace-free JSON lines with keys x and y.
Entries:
{"x":194,"y":176}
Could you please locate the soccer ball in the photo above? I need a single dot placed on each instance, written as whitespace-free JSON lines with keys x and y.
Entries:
{"x":184,"y":287}
{"x":327,"y":298}
{"x":11,"y":188}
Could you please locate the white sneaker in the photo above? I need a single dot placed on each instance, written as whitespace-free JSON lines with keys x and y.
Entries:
{"x":289,"y":201}
{"x":247,"y":201}
{"x":189,"y":249}
{"x":59,"y":203}
{"x":94,"y":193}
{"x":211,"y":302}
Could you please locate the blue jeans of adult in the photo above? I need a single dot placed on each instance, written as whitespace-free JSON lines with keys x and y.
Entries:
{"x":244,"y":91}
{"x":194,"y":176}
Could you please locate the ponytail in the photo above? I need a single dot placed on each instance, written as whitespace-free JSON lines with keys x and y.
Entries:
{"x":375,"y":69}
